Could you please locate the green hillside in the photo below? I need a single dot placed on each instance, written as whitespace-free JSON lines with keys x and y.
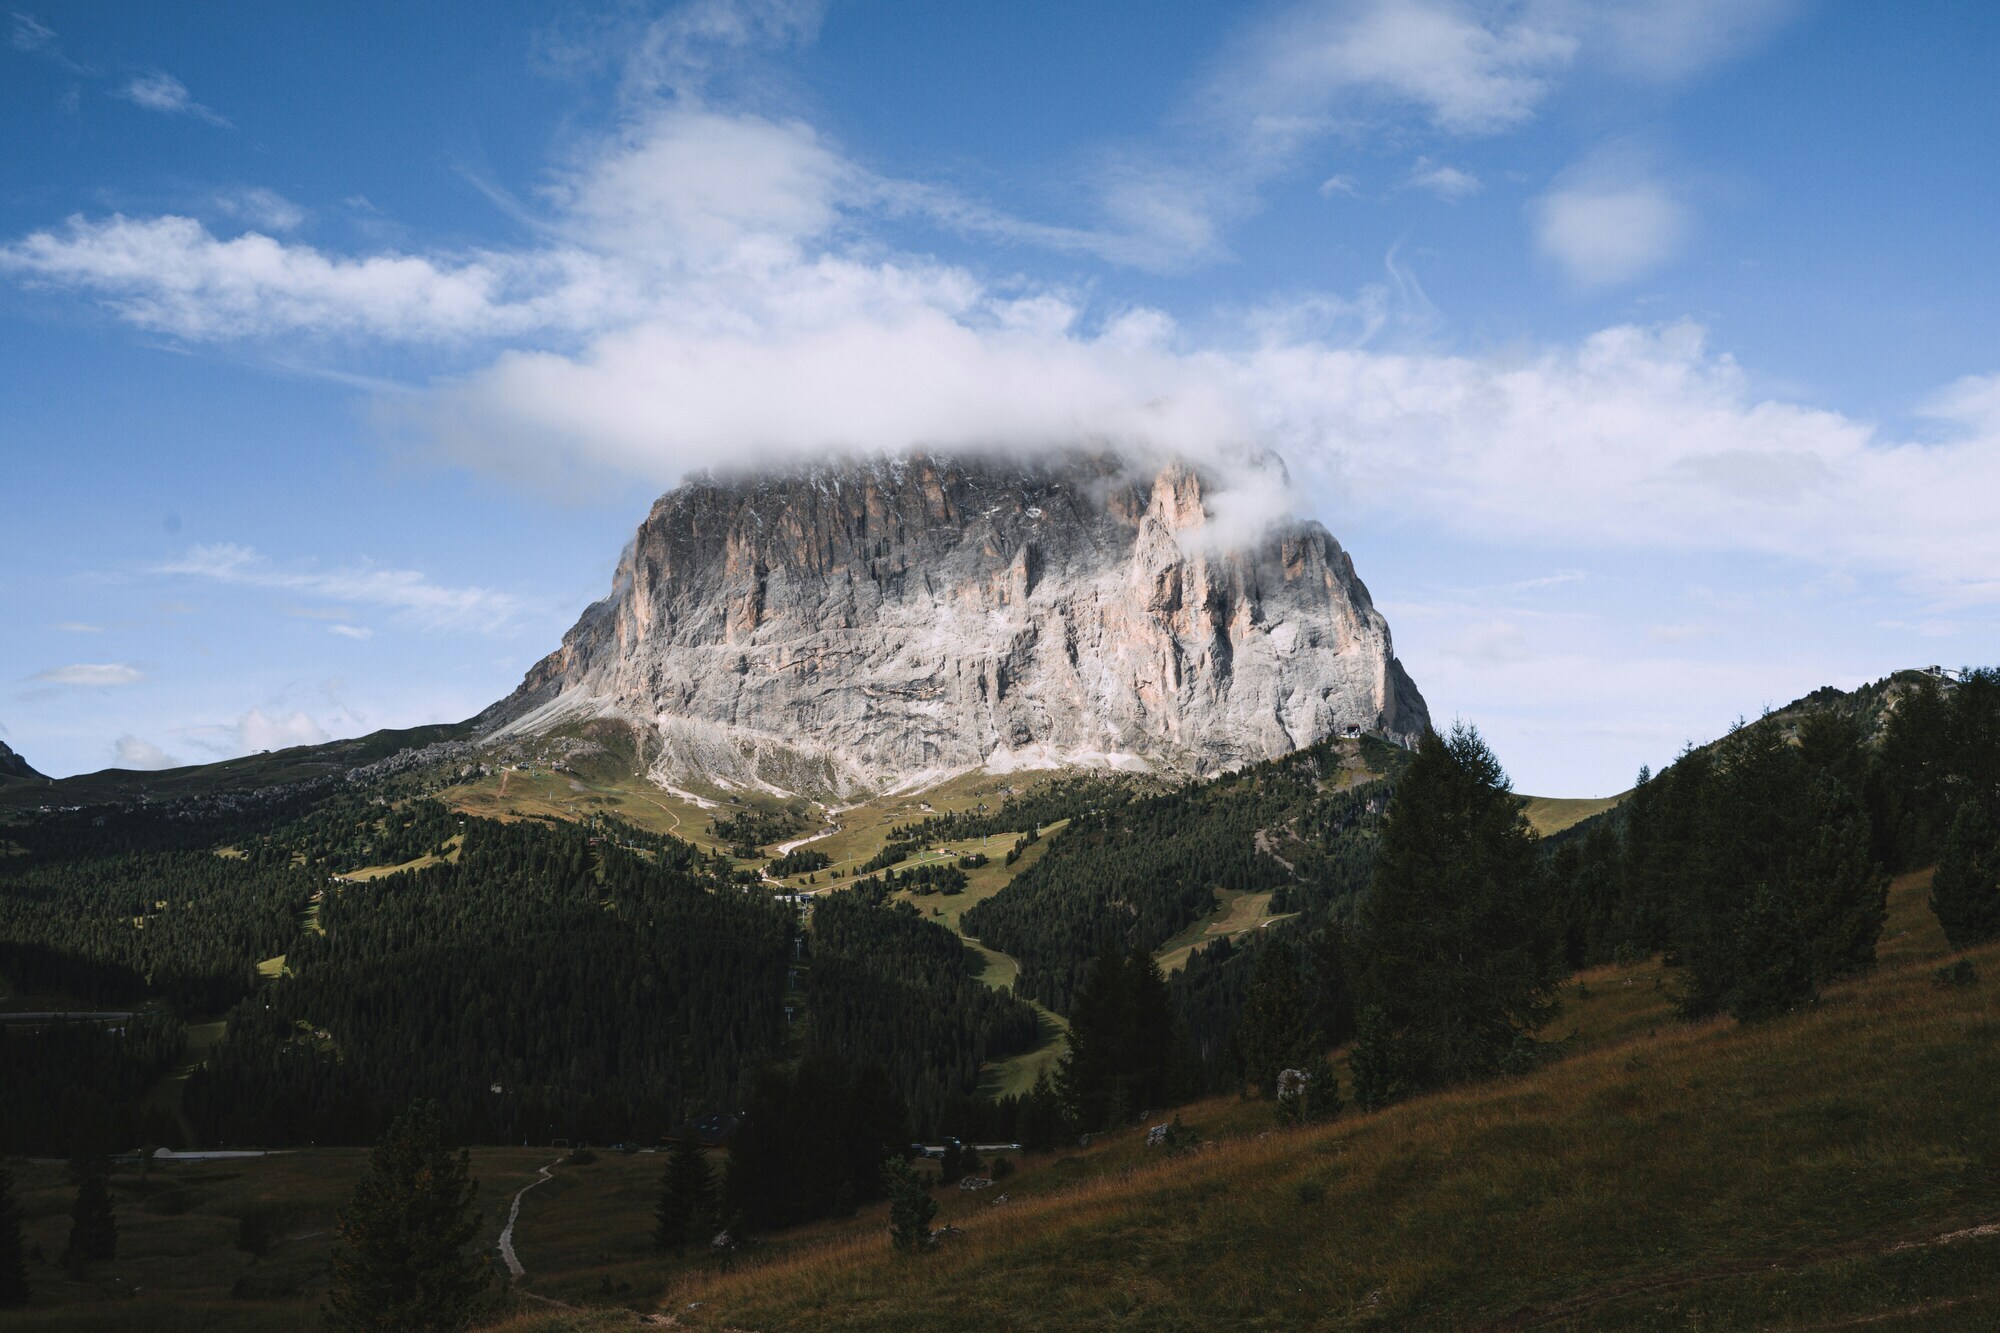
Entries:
{"x":1834,"y":1168}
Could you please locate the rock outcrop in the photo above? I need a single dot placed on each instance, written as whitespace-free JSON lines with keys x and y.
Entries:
{"x":853,"y":627}
{"x":13,"y":766}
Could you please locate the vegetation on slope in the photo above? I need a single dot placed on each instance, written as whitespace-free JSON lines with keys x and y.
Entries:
{"x":1711,"y":1174}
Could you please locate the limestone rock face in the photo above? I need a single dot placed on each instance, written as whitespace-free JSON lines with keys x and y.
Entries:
{"x":866,"y":625}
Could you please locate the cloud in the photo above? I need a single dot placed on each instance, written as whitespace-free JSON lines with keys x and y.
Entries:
{"x":351,"y":631}
{"x":91,"y":674}
{"x":132,"y":752}
{"x":681,"y":52}
{"x":79,"y":627}
{"x":1669,"y":40}
{"x":27,"y":33}
{"x":1338,"y":184}
{"x":705,"y":289}
{"x":1446,"y":182}
{"x":682,"y":185}
{"x":1467,"y":72}
{"x":261,"y":207}
{"x":414,"y":598}
{"x":1490,"y":643}
{"x":162,"y":92}
{"x":261,"y":731}
{"x":1638,"y":438}
{"x":1972,"y":402}
{"x":1605,"y":229}
{"x":171,"y":274}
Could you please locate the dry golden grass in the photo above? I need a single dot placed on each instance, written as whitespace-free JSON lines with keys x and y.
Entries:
{"x":1665,"y":1175}
{"x":1553,"y":814}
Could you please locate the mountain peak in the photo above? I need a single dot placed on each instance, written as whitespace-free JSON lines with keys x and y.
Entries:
{"x":843,"y":628}
{"x":14,"y":766}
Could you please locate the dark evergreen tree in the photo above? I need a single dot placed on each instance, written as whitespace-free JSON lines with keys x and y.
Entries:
{"x":1372,"y":1065}
{"x":911,"y":1207}
{"x":93,"y":1231}
{"x":812,"y":1142}
{"x":1460,"y":952}
{"x":1042,"y":1122}
{"x":689,"y":1201}
{"x":400,"y":1261}
{"x":1835,"y":884}
{"x":1965,"y":892}
{"x":1275,"y":1032}
{"x":1157,"y":1048}
{"x":13,"y":1269}
{"x":1090,"y":1077}
{"x":1125,"y":1049}
{"x":1775,"y":972}
{"x":1755,"y":819}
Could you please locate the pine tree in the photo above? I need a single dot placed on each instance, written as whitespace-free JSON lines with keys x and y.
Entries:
{"x":1838,"y":890}
{"x":1127,"y":1053}
{"x":13,"y":1272}
{"x":93,"y":1231}
{"x":1372,"y":1066}
{"x":1460,"y":950}
{"x":688,"y":1196}
{"x":400,"y":1261}
{"x":911,"y":1206}
{"x":1775,"y":972}
{"x":1965,"y":892}
{"x":1153,"y":1043}
{"x":1090,"y":1077}
{"x":1274,"y":1033}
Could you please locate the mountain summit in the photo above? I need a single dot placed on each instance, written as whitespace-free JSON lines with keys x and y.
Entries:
{"x":845,"y":628}
{"x":13,"y":766}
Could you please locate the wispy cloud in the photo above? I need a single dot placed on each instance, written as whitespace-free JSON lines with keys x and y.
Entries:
{"x":29,"y":34}
{"x":260,"y":207}
{"x":1443,"y":180}
{"x":79,"y":627}
{"x":407,"y":593}
{"x":162,"y":92}
{"x":90,"y":674}
{"x":351,"y":631}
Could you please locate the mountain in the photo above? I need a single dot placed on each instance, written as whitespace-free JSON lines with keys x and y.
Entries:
{"x":844,"y":628}
{"x":13,"y":766}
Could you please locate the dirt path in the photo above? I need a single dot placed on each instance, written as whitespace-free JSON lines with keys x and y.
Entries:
{"x":1263,"y":844}
{"x":507,"y":1255}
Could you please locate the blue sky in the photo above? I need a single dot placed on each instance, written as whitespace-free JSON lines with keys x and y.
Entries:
{"x":1644,"y":354}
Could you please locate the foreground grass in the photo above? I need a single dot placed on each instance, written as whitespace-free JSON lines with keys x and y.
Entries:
{"x":1835,"y":1166}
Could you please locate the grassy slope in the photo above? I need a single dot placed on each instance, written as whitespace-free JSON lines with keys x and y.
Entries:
{"x":1663,"y":1176}
{"x":1553,"y":814}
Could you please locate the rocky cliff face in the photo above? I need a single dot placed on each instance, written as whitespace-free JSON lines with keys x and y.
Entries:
{"x":848,"y":628}
{"x":13,"y":766}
